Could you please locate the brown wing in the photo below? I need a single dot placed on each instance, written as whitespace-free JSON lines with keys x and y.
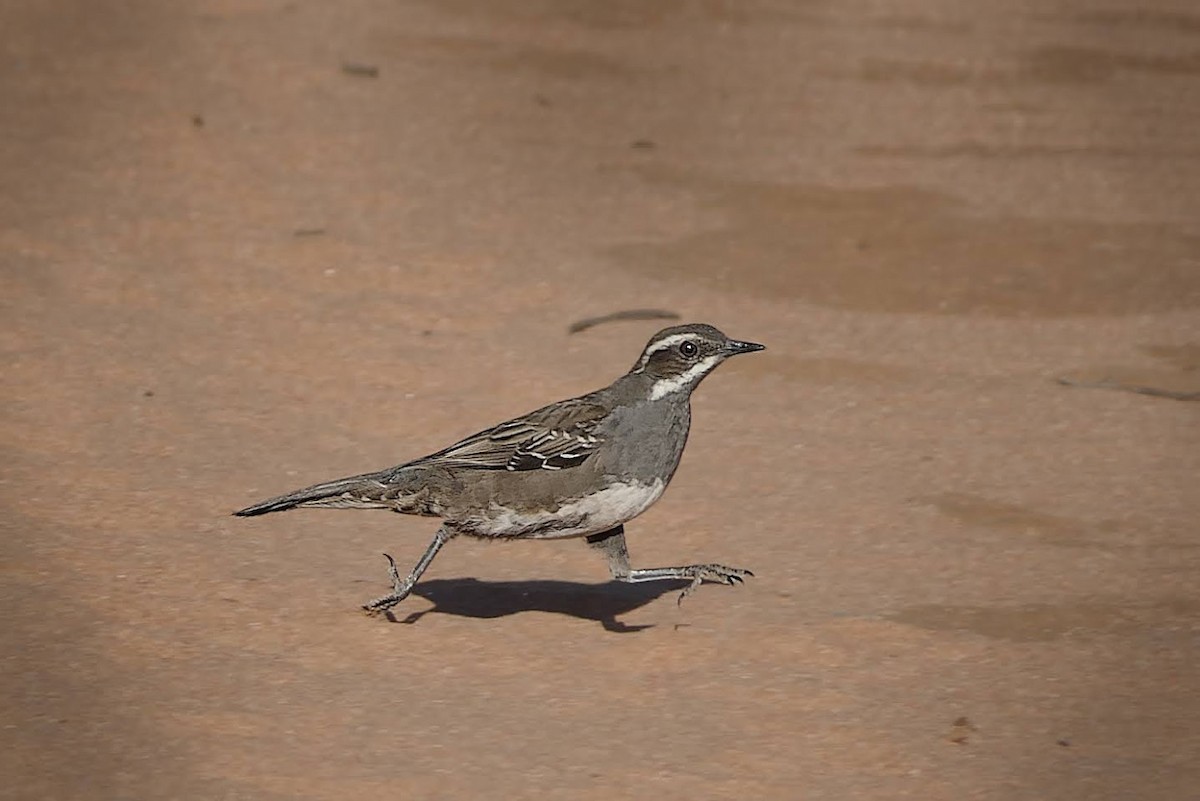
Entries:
{"x":552,"y":438}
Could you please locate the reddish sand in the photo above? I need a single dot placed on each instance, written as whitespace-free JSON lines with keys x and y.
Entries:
{"x":235,"y":262}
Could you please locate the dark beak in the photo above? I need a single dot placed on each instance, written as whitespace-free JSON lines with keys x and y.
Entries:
{"x":734,"y":347}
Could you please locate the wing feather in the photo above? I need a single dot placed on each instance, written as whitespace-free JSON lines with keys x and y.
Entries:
{"x":554,"y":437}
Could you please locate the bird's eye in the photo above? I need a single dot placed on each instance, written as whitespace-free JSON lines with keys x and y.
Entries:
{"x":688,"y":349}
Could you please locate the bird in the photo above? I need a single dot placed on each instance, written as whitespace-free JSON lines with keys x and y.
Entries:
{"x":579,"y":468}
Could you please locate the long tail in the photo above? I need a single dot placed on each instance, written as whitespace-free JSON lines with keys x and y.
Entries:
{"x":355,"y":492}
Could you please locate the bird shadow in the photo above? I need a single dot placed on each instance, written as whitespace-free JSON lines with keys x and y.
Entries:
{"x":469,"y":597}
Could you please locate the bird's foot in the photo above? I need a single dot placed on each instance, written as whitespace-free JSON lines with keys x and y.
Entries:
{"x":696,"y":574}
{"x":716,"y":573}
{"x":401,"y":587}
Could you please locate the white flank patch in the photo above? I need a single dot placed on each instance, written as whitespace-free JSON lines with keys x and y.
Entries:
{"x":610,"y":507}
{"x":667,"y":386}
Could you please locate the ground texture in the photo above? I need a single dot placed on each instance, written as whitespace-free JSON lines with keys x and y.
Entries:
{"x":247,"y":245}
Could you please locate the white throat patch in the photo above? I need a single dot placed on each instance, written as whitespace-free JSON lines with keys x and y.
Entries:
{"x":668,"y":386}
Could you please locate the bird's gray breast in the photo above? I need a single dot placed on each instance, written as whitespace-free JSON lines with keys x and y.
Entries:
{"x":644,"y":440}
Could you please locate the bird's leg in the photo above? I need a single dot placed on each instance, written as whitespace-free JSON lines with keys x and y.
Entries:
{"x":612,"y":544}
{"x":401,"y":587}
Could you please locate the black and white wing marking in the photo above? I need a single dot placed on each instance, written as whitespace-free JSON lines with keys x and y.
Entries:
{"x":552,"y":449}
{"x":555,"y":437}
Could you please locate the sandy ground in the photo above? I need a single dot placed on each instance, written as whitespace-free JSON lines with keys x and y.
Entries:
{"x":236,"y":262}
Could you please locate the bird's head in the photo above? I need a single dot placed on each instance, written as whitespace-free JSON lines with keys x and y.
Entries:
{"x":676,"y":359}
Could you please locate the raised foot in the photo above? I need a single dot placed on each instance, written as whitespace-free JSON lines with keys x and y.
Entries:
{"x":717,"y":573}
{"x":400,"y":590}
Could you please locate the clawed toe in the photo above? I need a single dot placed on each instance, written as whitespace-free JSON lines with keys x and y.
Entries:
{"x":400,"y":590}
{"x":689,"y":589}
{"x":725,"y":575}
{"x":393,"y":572}
{"x":380,"y":605}
{"x":720,"y":574}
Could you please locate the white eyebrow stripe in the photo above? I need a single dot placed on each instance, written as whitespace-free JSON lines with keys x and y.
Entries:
{"x":662,"y":344}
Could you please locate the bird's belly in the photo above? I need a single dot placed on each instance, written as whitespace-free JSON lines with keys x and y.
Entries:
{"x":610,"y":507}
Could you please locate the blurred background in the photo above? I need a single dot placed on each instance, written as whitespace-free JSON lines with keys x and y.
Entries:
{"x":248,"y":245}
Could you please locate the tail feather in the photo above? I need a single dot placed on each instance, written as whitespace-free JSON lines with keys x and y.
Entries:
{"x":354,"y":491}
